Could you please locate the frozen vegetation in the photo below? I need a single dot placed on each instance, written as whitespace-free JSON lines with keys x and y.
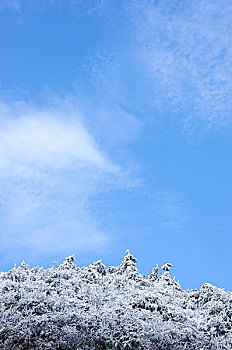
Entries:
{"x":95,"y":307}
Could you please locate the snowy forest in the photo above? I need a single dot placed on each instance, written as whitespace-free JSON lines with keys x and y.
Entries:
{"x":94,"y":307}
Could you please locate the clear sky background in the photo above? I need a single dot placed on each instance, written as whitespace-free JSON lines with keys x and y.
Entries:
{"x":116,"y":133}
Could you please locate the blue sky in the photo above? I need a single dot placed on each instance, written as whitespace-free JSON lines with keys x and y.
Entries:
{"x":116,"y":133}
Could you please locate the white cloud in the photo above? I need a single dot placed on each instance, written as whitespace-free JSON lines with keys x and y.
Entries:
{"x":50,"y":168}
{"x":44,"y":139}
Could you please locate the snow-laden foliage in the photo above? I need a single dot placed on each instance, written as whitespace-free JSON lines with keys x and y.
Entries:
{"x":95,"y":307}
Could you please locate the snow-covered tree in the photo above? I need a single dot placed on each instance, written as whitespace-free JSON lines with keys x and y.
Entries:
{"x":94,"y":307}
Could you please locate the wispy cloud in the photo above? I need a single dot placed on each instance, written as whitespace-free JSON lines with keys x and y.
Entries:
{"x":11,"y":4}
{"x":187,"y":47}
{"x":50,"y":167}
{"x":177,"y":57}
{"x":59,"y":191}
